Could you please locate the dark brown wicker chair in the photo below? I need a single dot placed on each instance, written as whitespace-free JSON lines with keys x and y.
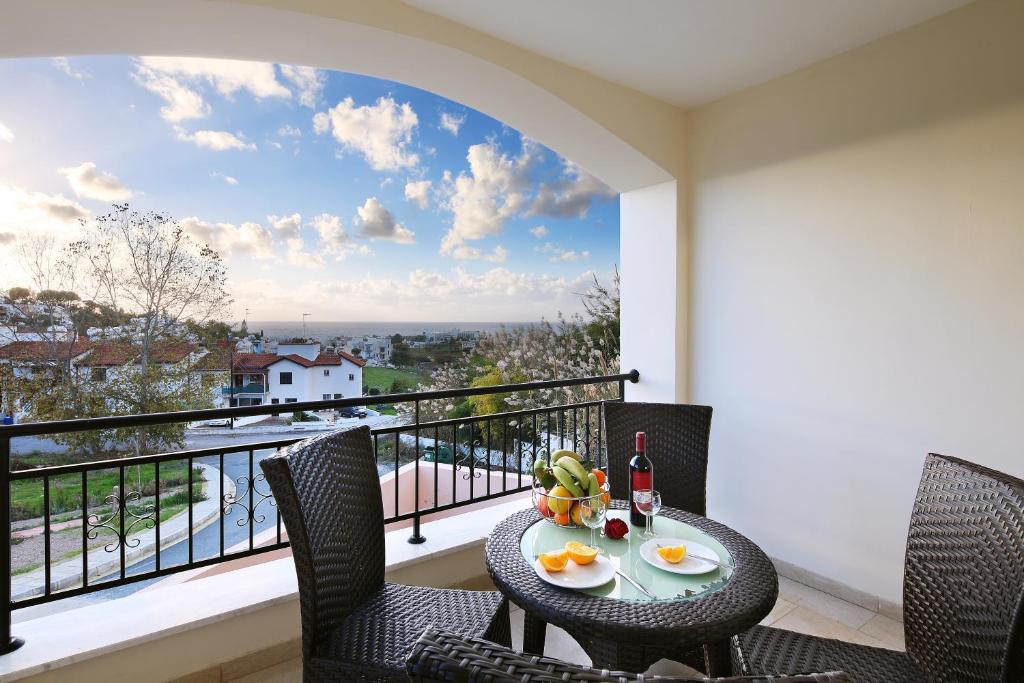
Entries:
{"x":442,"y":656}
{"x":963,"y":591}
{"x":677,"y":437}
{"x":354,"y":625}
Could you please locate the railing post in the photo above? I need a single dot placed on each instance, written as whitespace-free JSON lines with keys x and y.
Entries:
{"x":417,"y":537}
{"x":8,"y":643}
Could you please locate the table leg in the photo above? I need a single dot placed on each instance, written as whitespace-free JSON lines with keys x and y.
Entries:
{"x":533,"y":633}
{"x":718,"y":659}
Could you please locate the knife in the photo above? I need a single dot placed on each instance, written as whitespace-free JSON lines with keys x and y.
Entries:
{"x":717,"y":563}
{"x":635,"y":584}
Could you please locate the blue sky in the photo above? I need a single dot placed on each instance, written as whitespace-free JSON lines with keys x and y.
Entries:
{"x":347,"y":196}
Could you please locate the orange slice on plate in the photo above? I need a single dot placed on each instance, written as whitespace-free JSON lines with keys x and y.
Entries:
{"x":673,"y":554}
{"x":580,"y":553}
{"x":554,"y":562}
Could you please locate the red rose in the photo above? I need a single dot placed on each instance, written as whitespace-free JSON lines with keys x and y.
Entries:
{"x":615,"y":529}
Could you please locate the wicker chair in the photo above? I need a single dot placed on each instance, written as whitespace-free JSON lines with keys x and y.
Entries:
{"x":678,"y":437}
{"x":354,"y":625}
{"x":443,"y":656}
{"x":963,"y":591}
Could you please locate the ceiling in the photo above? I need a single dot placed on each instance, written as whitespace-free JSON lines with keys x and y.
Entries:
{"x":688,"y":52}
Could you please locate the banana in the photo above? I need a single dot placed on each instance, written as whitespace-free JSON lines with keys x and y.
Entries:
{"x":567,"y":480}
{"x":593,"y":488}
{"x":563,"y":452}
{"x":574,"y":468}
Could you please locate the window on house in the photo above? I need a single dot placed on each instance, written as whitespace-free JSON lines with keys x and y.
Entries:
{"x":285,"y":378}
{"x":327,"y":397}
{"x":291,"y":400}
{"x":274,"y":400}
{"x":99,"y":374}
{"x":351,"y":377}
{"x":339,"y":396}
{"x":327,"y":372}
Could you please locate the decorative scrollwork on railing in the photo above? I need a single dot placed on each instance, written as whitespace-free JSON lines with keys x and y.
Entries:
{"x":234,"y":500}
{"x":476,"y":461}
{"x":145,"y":518}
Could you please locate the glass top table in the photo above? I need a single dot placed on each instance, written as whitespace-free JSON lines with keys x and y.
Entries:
{"x":624,"y":553}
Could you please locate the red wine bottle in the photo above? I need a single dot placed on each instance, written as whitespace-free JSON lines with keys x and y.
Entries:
{"x":641,"y":476}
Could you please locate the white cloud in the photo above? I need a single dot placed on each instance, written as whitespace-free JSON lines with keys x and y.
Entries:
{"x":217,"y":140}
{"x":571,"y":196}
{"x":227,"y":76}
{"x":6,"y":135}
{"x":288,"y":131}
{"x":182,"y":103}
{"x":387,"y":181}
{"x":22,"y":211}
{"x":275,"y":145}
{"x":230,"y":180}
{"x":64,"y":65}
{"x":466,"y":253}
{"x":334,"y":239}
{"x":563,"y":255}
{"x":451,"y":122}
{"x":482,"y":200}
{"x":382,"y":133}
{"x":377,"y":223}
{"x":289,"y":228}
{"x":89,"y":182}
{"x":248,"y":239}
{"x":307,"y":80}
{"x":540,"y":232}
{"x":498,"y":255}
{"x":418,"y":192}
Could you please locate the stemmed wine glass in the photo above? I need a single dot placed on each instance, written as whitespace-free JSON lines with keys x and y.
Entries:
{"x":648,"y":502}
{"x":592,"y":514}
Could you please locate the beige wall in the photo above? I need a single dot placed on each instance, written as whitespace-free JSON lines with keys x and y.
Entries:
{"x":858,"y":286}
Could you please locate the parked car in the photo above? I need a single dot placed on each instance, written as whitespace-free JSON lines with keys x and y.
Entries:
{"x":352,"y":412}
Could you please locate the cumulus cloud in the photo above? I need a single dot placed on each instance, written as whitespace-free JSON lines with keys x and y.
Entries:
{"x":570,"y":196}
{"x":182,"y":103}
{"x":334,"y":239}
{"x":307,"y":80}
{"x":64,"y":65}
{"x":6,"y":135}
{"x":466,"y":253}
{"x":492,"y":192}
{"x":418,"y":192}
{"x":377,"y":223}
{"x":289,"y":229}
{"x":230,"y":180}
{"x":288,"y":131}
{"x":89,"y":182}
{"x":23,"y":211}
{"x":217,"y":140}
{"x":247,"y":239}
{"x":451,"y":122}
{"x":558,"y":254}
{"x":226,"y":76}
{"x":381,"y":132}
{"x":540,"y":232}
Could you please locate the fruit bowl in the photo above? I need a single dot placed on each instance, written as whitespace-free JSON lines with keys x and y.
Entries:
{"x":561,"y":484}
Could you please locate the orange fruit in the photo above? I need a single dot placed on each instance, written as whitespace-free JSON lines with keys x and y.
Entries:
{"x":562,"y":519}
{"x":555,"y":502}
{"x":580,"y":553}
{"x":574,"y":514}
{"x":606,"y":497}
{"x":601,"y":476}
{"x":672,"y":553}
{"x":554,"y":562}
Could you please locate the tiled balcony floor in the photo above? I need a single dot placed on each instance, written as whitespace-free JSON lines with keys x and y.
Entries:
{"x":800,"y":608}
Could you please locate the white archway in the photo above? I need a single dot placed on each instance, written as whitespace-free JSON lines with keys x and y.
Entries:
{"x":652,"y":219}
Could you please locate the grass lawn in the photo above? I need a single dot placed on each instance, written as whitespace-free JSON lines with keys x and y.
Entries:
{"x":382,"y":378}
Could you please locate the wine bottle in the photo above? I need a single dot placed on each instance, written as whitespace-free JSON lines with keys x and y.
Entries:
{"x":641,"y":476}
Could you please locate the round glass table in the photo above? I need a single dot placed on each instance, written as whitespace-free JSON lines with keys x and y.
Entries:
{"x":616,"y":621}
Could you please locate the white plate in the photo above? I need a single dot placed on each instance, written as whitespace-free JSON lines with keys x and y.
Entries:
{"x":597,"y":573}
{"x":689,"y":565}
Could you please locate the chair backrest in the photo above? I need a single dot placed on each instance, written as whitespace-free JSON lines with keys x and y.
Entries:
{"x":677,"y":446}
{"x":964,"y":577}
{"x":440,"y":656}
{"x":328,"y":491}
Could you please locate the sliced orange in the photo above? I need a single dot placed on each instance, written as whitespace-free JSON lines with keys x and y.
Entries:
{"x":554,"y":562}
{"x":672,"y":553}
{"x":580,"y":553}
{"x":601,"y":476}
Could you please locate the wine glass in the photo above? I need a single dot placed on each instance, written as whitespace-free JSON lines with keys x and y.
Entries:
{"x":648,"y":502}
{"x":592,"y":514}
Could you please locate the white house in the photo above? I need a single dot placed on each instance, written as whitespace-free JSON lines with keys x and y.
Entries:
{"x":376,"y":351}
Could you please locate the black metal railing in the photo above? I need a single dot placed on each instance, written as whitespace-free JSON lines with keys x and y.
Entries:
{"x":115,"y":522}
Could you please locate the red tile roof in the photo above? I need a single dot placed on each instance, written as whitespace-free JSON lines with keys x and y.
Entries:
{"x":43,"y":351}
{"x":112,"y":354}
{"x":244,"y":362}
{"x":323,"y":359}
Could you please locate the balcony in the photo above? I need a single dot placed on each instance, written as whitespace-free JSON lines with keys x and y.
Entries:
{"x":251,"y":389}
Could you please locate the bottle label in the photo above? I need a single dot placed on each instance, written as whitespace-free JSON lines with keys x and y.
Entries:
{"x":639,"y":481}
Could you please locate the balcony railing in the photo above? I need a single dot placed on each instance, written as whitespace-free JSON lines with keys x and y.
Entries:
{"x":204,"y":506}
{"x":251,"y":388}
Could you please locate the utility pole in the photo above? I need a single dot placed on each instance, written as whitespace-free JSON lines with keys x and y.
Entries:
{"x":231,"y":377}
{"x":304,"y":315}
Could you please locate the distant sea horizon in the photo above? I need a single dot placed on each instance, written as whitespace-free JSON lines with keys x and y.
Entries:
{"x":332,"y":328}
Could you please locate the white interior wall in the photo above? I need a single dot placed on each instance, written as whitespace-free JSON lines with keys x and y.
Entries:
{"x":858,"y":287}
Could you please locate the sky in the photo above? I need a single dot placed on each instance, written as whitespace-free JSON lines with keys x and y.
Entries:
{"x":335,"y":194}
